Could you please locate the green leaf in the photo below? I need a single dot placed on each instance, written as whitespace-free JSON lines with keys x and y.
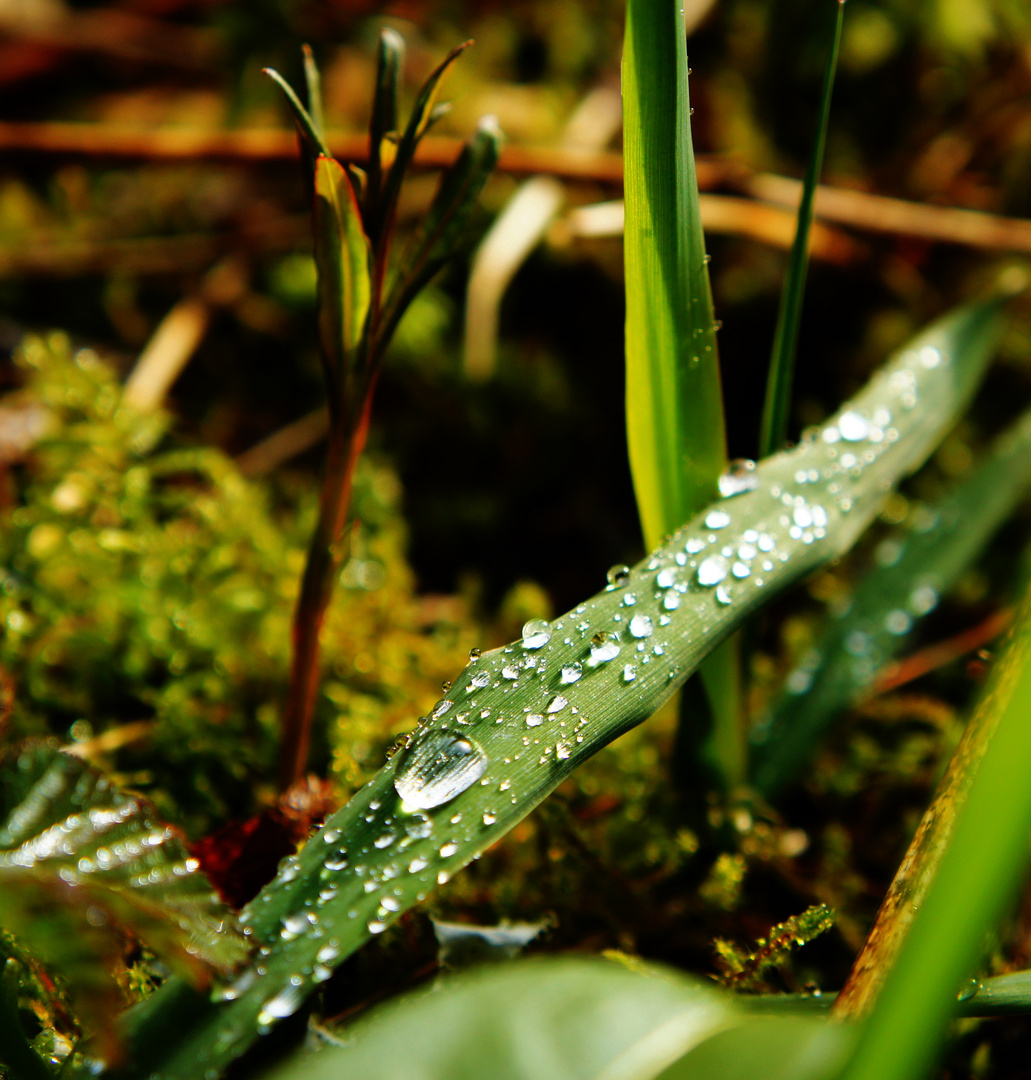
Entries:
{"x":383,"y":123}
{"x":976,"y":878}
{"x":424,"y":113}
{"x":310,"y":132}
{"x":674,"y":406}
{"x":445,"y":227}
{"x":342,"y":256}
{"x":564,"y":1019}
{"x":777,"y":405}
{"x":918,"y":567}
{"x":313,"y":84}
{"x":519,"y":719}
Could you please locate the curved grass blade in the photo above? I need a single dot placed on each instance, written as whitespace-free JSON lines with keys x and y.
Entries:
{"x":918,"y":568}
{"x":383,"y":122}
{"x":445,"y":227}
{"x":674,"y":405}
{"x":519,"y":719}
{"x":984,"y":857}
{"x":310,"y":132}
{"x":777,"y":405}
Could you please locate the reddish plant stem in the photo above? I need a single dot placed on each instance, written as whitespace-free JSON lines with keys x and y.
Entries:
{"x":328,"y":550}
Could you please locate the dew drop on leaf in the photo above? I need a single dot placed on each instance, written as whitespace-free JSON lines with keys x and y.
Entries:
{"x":712,"y":570}
{"x":437,"y":768}
{"x":641,"y":626}
{"x":536,"y":634}
{"x":618,"y":575}
{"x":571,"y":673}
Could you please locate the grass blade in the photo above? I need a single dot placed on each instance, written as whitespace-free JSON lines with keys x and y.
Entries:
{"x":383,"y":123}
{"x":313,"y":84}
{"x":777,"y":405}
{"x":887,"y":604}
{"x":311,"y":135}
{"x":519,"y":719}
{"x":985,"y":857}
{"x":674,"y":405}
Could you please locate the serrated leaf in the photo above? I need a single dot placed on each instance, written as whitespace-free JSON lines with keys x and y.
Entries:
{"x":518,"y":720}
{"x":918,"y":567}
{"x":343,"y":257}
{"x":445,"y":226}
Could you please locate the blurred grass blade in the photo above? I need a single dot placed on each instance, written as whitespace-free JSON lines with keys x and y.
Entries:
{"x":915,"y":569}
{"x":424,"y":113}
{"x":518,"y":720}
{"x":777,"y":405}
{"x":674,"y":405}
{"x":343,"y":259}
{"x":313,"y":84}
{"x":445,"y":227}
{"x":383,"y":123}
{"x":311,"y":135}
{"x":976,"y":878}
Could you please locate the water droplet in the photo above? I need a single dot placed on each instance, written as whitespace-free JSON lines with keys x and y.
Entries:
{"x":489,"y":818}
{"x":328,"y":953}
{"x":418,"y":826}
{"x":417,"y":864}
{"x":437,"y":768}
{"x":766,"y":542}
{"x":617,"y":575}
{"x":665,"y":579}
{"x":723,"y":594}
{"x":740,"y":570}
{"x":375,"y":926}
{"x":557,"y":704}
{"x":534,"y":720}
{"x":571,"y":673}
{"x":717,"y":519}
{"x":446,"y":685}
{"x":474,"y":655}
{"x":389,"y":903}
{"x":296,"y":924}
{"x":448,"y":850}
{"x":604,"y":647}
{"x":629,"y":673}
{"x":536,"y":634}
{"x":694,"y":545}
{"x":923,"y":600}
{"x":671,"y":601}
{"x":337,"y":860}
{"x":712,"y":570}
{"x":802,"y":516}
{"x":641,"y":626}
{"x":929,"y":357}
{"x":853,"y":427}
{"x":285,"y":1003}
{"x":330,"y":836}
{"x":510,"y":671}
{"x":739,"y":477}
{"x":480,"y":679}
{"x":385,"y":840}
{"x":898,"y":622}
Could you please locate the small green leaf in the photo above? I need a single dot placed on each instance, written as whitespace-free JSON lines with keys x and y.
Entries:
{"x":423,"y":115}
{"x":343,"y":257}
{"x":445,"y":226}
{"x":383,"y":123}
{"x":777,"y":405}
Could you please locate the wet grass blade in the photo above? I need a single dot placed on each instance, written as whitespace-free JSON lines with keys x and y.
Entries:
{"x":518,"y":720}
{"x":674,"y":404}
{"x":976,"y":876}
{"x":918,"y":567}
{"x":777,"y":405}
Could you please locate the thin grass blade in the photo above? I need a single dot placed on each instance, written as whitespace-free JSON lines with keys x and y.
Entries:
{"x":777,"y":405}
{"x":313,"y":84}
{"x":518,"y":720}
{"x":976,"y":878}
{"x":383,"y":123}
{"x":311,"y":135}
{"x":918,"y":567}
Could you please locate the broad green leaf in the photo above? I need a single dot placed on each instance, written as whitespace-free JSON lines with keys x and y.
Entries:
{"x":563,"y":1019}
{"x":445,"y":226}
{"x":915,"y":569}
{"x":424,"y":113}
{"x":519,"y":719}
{"x":674,"y":407}
{"x":342,"y":257}
{"x":81,"y":862}
{"x":383,"y":123}
{"x":976,"y":878}
{"x":777,"y":404}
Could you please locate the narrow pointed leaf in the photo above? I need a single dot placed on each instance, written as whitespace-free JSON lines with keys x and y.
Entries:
{"x":383,"y":123}
{"x":342,"y":257}
{"x":918,"y":567}
{"x":777,"y":405}
{"x":520,"y":719}
{"x":445,"y":227}
{"x":423,"y":115}
{"x":310,"y":132}
{"x":313,"y":84}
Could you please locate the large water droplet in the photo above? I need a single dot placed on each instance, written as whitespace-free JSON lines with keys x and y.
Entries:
{"x":604,"y":647}
{"x":337,"y":860}
{"x":480,"y":679}
{"x":534,"y":720}
{"x":665,"y":579}
{"x":629,"y":673}
{"x":437,"y":768}
{"x":618,"y":575}
{"x":712,"y":570}
{"x":853,"y":427}
{"x":717,"y":519}
{"x":536,"y":634}
{"x":641,"y":626}
{"x":739,"y":478}
{"x":571,"y":673}
{"x":723,"y":594}
{"x":557,"y":704}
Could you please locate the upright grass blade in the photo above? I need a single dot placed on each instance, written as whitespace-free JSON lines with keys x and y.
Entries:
{"x":915,"y":569}
{"x":313,"y":84}
{"x":975,"y":880}
{"x":311,"y":134}
{"x":383,"y":123}
{"x":777,"y":405}
{"x":674,"y":406}
{"x":519,"y":719}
